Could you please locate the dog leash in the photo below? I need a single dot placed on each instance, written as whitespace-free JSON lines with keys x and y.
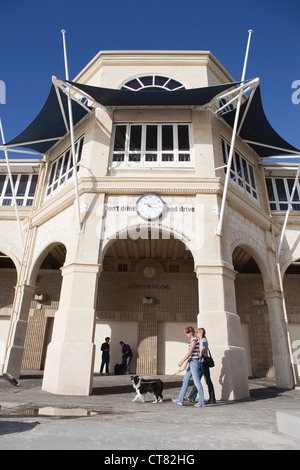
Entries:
{"x":176,"y":373}
{"x":168,"y":377}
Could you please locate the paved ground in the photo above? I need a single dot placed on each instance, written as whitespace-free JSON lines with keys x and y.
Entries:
{"x":31,"y":419}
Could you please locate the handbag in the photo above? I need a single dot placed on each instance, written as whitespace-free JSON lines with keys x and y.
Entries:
{"x":209,"y":360}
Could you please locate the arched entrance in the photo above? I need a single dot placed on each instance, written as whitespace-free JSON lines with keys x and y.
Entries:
{"x":8,"y":281}
{"x":147,"y":294}
{"x":291,"y":283}
{"x":253,"y":311}
{"x":43,"y":307}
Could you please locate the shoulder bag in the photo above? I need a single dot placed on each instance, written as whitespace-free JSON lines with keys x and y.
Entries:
{"x":209,"y":360}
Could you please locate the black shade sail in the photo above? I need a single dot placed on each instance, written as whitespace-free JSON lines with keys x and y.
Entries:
{"x":49,"y":123}
{"x":191,"y":97}
{"x":256,"y":128}
{"x":49,"y":126}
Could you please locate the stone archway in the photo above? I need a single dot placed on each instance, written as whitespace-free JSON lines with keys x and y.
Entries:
{"x":8,"y":281}
{"x":291,"y":282}
{"x":272,"y":302}
{"x":32,"y":303}
{"x":254,"y":314}
{"x":147,"y":284}
{"x":43,"y":306}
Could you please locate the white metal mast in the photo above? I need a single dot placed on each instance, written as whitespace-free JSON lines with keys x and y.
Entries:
{"x":234,"y":132}
{"x":12,"y":187}
{"x":63,"y":31}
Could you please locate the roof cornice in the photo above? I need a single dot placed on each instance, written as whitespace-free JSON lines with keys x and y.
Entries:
{"x":127,"y":58}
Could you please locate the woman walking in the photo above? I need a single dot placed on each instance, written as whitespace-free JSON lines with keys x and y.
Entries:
{"x":191,"y":360}
{"x":203,"y":368}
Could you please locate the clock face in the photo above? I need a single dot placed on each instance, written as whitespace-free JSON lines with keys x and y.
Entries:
{"x":150,"y":206}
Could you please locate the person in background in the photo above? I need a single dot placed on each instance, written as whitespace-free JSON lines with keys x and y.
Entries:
{"x":105,"y":356}
{"x":126,"y":356}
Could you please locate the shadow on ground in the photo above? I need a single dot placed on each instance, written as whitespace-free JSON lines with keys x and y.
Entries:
{"x":11,"y":427}
{"x":119,"y":389}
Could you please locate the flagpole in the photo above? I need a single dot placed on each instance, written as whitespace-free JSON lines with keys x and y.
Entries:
{"x":63,"y":31}
{"x":234,"y":133}
{"x":12,"y":187}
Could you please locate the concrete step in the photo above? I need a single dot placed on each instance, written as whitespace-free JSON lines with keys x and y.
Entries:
{"x":288,"y":422}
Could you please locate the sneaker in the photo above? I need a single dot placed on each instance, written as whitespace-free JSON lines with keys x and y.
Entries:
{"x":198,"y":405}
{"x":176,"y":401}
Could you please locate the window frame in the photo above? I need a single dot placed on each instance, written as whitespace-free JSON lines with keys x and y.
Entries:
{"x":160,"y":154}
{"x":242,"y":172}
{"x":25,"y":200}
{"x":138,"y":83}
{"x":61,"y":170}
{"x":276,"y":202}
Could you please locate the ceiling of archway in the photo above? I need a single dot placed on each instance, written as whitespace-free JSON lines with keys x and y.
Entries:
{"x":171,"y":249}
{"x":243,"y":262}
{"x":55,"y":259}
{"x":6,"y":262}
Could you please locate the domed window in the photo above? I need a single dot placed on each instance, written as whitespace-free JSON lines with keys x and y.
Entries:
{"x":153,"y":83}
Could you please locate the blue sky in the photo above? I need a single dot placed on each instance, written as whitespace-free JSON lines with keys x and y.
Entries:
{"x":31,"y":46}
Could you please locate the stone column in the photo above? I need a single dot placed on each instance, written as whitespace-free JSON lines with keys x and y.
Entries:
{"x":70,"y":355}
{"x":18,"y":329}
{"x":278,"y":330}
{"x":147,"y":344}
{"x":222,"y":324}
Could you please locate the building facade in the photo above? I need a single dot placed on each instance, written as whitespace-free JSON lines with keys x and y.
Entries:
{"x":147,"y":261}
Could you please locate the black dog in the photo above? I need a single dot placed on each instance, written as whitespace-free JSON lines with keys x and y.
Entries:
{"x":143,"y":386}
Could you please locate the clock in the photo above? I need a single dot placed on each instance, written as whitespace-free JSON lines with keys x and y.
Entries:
{"x":150,"y":206}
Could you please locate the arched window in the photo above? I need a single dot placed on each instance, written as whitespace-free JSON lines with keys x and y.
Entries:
{"x":153,"y":83}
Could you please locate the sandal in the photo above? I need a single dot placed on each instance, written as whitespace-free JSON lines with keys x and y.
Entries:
{"x":189,"y":400}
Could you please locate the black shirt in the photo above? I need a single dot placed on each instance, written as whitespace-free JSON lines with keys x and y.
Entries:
{"x":105,"y":349}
